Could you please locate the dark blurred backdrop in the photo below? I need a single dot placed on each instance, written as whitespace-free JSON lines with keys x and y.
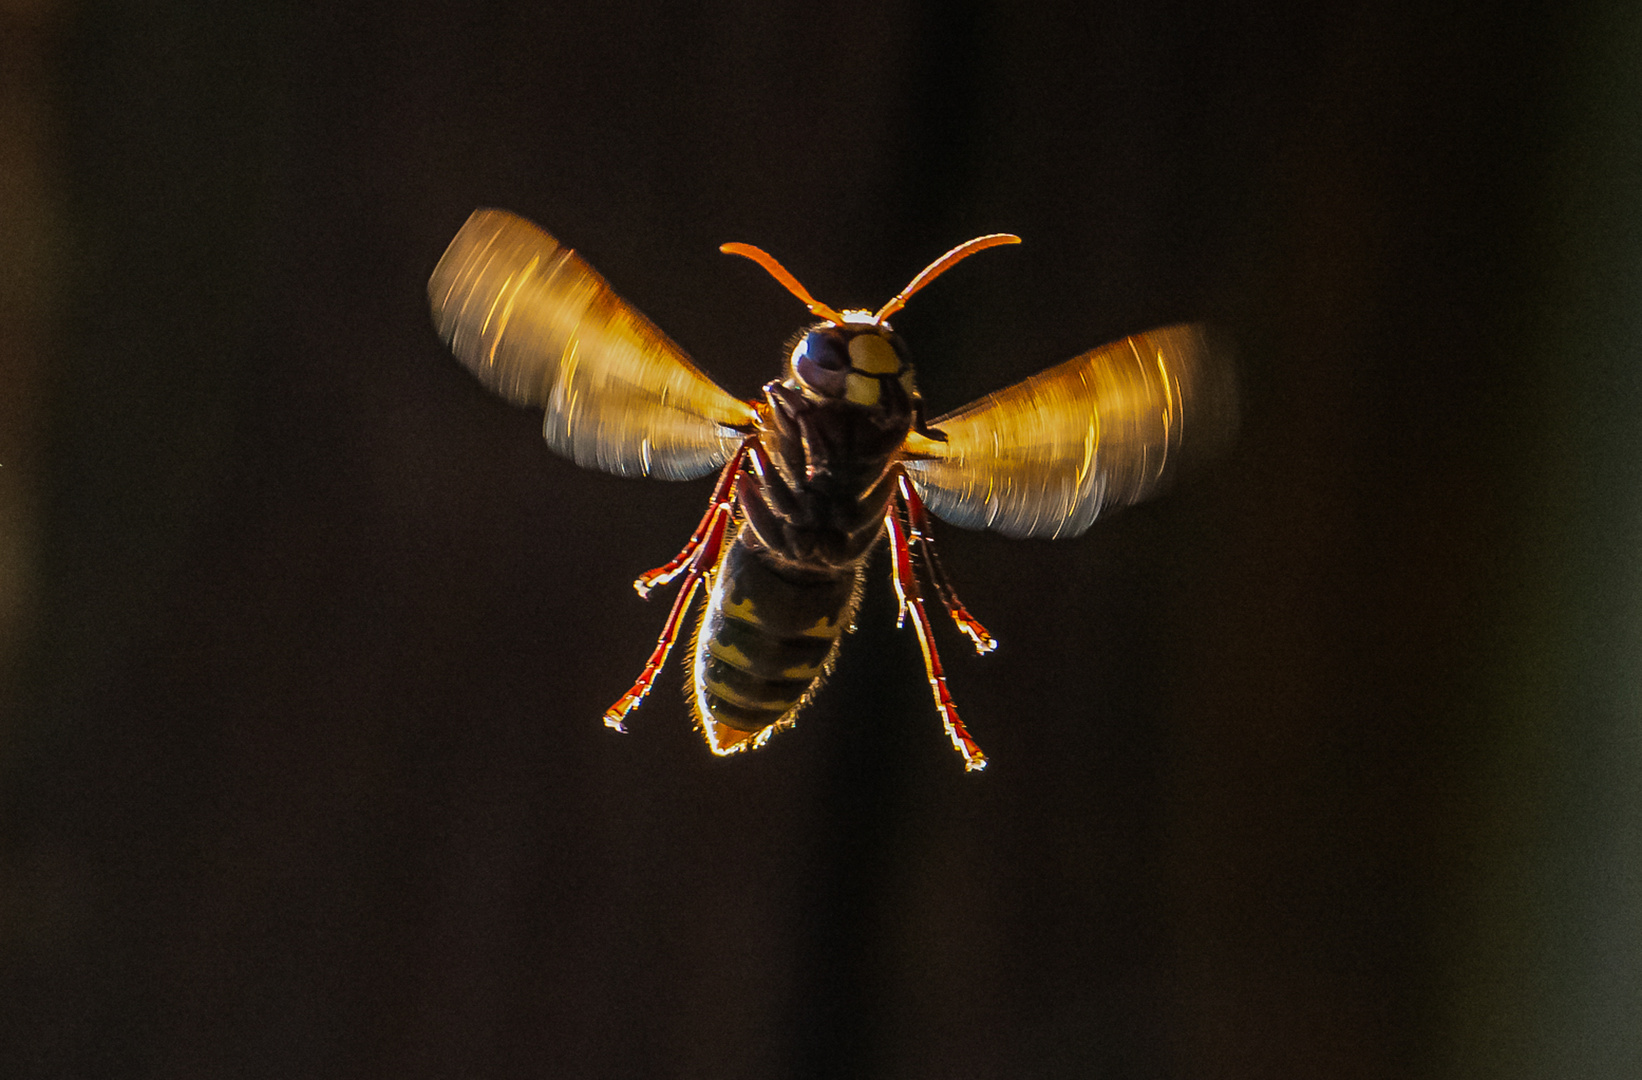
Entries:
{"x":1324,"y":765}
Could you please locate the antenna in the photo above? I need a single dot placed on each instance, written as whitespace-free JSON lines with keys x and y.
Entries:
{"x":925,"y":276}
{"x":940,"y":266}
{"x":779,"y":272}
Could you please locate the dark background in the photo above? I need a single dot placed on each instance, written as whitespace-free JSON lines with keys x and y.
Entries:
{"x":1324,"y":765}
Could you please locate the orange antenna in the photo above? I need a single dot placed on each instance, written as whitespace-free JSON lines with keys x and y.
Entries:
{"x":940,"y":266}
{"x":779,"y":272}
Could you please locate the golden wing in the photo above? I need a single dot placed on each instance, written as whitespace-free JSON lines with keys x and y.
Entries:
{"x":1045,"y":456}
{"x":539,"y":326}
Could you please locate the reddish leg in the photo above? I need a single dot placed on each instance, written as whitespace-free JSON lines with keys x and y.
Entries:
{"x":702,"y":563}
{"x":661,"y":575}
{"x":918,"y":517}
{"x":906,"y":588}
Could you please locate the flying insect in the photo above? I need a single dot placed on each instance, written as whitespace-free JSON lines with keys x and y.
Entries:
{"x":835,"y":456}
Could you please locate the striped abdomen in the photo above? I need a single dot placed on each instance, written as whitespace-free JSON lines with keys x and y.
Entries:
{"x":764,"y":643}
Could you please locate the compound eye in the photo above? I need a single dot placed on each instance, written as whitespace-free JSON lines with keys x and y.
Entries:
{"x":823,"y":349}
{"x":820,"y":362}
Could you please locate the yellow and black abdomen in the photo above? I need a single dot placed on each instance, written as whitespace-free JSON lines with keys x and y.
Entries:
{"x":767,"y":638}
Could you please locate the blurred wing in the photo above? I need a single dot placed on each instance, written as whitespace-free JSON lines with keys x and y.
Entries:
{"x":1045,"y":456}
{"x":539,"y":326}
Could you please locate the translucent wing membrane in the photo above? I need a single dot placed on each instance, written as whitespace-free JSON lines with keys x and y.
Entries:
{"x":1045,"y":456}
{"x":540,"y":327}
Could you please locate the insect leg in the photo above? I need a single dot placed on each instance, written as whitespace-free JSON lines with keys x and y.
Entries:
{"x":661,"y":575}
{"x":906,"y":588}
{"x":701,"y":565}
{"x":918,"y":517}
